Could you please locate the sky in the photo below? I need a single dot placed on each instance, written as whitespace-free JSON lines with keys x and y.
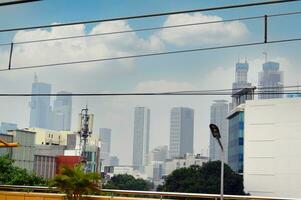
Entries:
{"x":214,"y":69}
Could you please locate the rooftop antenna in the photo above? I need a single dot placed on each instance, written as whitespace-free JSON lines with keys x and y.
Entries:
{"x":265,"y":56}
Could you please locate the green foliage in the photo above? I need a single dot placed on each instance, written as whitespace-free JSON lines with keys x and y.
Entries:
{"x":74,"y":182}
{"x":205,"y":179}
{"x":128,"y":182}
{"x":11,"y":175}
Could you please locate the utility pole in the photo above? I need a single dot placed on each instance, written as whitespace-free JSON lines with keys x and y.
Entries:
{"x":84,"y":131}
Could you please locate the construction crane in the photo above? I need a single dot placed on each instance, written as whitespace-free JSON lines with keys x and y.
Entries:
{"x":4,"y":144}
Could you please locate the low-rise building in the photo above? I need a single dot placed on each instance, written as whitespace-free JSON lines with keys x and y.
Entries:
{"x":49,"y":137}
{"x":272,"y":147}
{"x":23,"y":155}
{"x":172,"y":164}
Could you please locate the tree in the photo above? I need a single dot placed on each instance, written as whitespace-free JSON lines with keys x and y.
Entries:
{"x":74,"y":182}
{"x":128,"y":182}
{"x":203,"y":179}
{"x":11,"y":175}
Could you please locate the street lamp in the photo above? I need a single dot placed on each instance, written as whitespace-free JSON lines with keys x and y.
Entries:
{"x":216,"y":134}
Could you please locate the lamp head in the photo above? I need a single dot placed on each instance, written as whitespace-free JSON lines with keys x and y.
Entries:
{"x":215,"y":131}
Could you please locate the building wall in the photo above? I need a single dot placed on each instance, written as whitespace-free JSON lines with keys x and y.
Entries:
{"x":5,"y":126}
{"x":49,"y":137}
{"x":24,"y":154}
{"x":235,"y":141}
{"x":273,"y":147}
{"x":218,"y":116}
{"x":45,"y":166}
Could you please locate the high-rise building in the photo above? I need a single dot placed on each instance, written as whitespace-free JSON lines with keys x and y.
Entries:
{"x":141,"y":137}
{"x":181,"y":131}
{"x":5,"y":126}
{"x":218,"y":116}
{"x":40,"y":109}
{"x":105,"y":137}
{"x":270,"y":80}
{"x":241,"y":79}
{"x":62,"y":110}
{"x":160,"y":153}
{"x":114,"y":161}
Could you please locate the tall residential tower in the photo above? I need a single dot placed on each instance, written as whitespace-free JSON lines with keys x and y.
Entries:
{"x":218,"y":116}
{"x":181,"y":131}
{"x":62,"y":110}
{"x":141,"y":137}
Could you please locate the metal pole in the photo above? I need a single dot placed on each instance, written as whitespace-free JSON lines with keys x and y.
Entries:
{"x":222,"y":174}
{"x":10,"y":55}
{"x":265,"y":29}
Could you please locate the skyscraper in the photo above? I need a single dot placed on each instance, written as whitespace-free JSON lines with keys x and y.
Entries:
{"x":5,"y":126}
{"x":40,"y":109}
{"x":105,"y":137}
{"x":181,"y":131}
{"x":218,"y":116}
{"x":141,"y":137}
{"x":241,"y":79}
{"x":270,"y":80}
{"x":62,"y":110}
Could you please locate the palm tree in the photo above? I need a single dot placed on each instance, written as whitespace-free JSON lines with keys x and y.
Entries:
{"x":74,"y":182}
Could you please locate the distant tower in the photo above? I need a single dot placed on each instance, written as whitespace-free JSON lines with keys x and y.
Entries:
{"x":105,"y":137}
{"x":62,"y":111}
{"x":141,"y":137}
{"x":218,"y":116}
{"x":40,"y":109}
{"x":241,"y":79}
{"x":181,"y":131}
{"x":270,"y":80}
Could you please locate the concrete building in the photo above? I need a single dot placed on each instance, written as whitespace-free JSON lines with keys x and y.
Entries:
{"x":141,"y":137}
{"x":181,"y":131}
{"x":49,"y":137}
{"x":218,"y":116}
{"x":189,"y":159}
{"x":40,"y":109}
{"x":62,"y":112}
{"x":45,"y":159}
{"x":272,"y":147}
{"x":270,"y":80}
{"x":23,"y":155}
{"x":105,"y":137}
{"x":159,"y":153}
{"x":5,"y":126}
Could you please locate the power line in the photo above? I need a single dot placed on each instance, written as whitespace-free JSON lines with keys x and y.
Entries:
{"x":8,"y":3}
{"x":151,"y":54}
{"x":153,"y":15}
{"x":287,"y":90}
{"x":152,"y":28}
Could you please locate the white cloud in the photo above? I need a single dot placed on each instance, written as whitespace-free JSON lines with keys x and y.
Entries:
{"x":81,"y":48}
{"x":215,"y":33}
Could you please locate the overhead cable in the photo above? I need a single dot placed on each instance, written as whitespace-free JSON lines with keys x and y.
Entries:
{"x":152,"y":15}
{"x":150,"y":54}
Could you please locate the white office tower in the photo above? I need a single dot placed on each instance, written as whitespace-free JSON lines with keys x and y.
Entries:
{"x":181,"y":131}
{"x":270,"y":81}
{"x":105,"y":137}
{"x":218,"y":116}
{"x":141,"y":137}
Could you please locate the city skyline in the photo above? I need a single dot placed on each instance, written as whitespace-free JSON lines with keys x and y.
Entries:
{"x":202,"y":70}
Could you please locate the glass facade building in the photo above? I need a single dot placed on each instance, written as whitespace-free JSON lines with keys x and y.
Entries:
{"x":236,"y":141}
